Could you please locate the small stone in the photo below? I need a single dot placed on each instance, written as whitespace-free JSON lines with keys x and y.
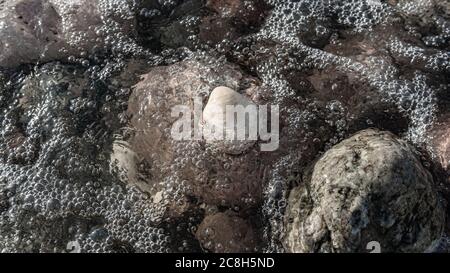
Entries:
{"x":158,"y":197}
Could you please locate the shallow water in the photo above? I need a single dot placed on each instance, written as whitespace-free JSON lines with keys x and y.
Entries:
{"x":334,"y":67}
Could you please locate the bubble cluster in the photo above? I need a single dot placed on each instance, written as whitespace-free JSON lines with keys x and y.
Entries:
{"x":58,"y":188}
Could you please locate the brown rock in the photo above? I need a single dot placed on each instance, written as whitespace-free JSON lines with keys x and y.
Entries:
{"x":441,"y":141}
{"x":226,"y":233}
{"x":190,"y":166}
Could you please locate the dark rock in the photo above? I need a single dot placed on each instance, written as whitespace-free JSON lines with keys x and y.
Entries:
{"x":231,"y":19}
{"x":441,"y":142}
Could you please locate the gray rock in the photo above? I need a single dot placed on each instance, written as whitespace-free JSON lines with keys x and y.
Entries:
{"x":370,"y":187}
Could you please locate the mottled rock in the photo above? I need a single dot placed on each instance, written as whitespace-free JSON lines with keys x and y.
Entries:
{"x":226,"y":233}
{"x":45,"y":30}
{"x":370,"y":187}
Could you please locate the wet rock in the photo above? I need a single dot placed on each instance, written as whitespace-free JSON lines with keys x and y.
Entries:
{"x":363,"y":107}
{"x":127,"y":162}
{"x":440,"y":134}
{"x":231,"y":19}
{"x":196,"y":23}
{"x":370,"y":187}
{"x":71,"y":164}
{"x":168,"y":24}
{"x":208,"y":174}
{"x":178,"y":27}
{"x":245,"y":13}
{"x":52,"y":145}
{"x":45,"y":30}
{"x":226,"y":233}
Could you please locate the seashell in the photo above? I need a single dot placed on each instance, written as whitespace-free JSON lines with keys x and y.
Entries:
{"x":215,"y":127}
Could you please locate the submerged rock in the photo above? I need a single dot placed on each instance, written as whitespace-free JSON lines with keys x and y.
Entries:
{"x":370,"y":187}
{"x":198,"y":23}
{"x":55,"y":145}
{"x":226,"y":233}
{"x":231,"y":19}
{"x":46,"y":30}
{"x":190,"y":167}
{"x":81,"y":160}
{"x":441,"y":141}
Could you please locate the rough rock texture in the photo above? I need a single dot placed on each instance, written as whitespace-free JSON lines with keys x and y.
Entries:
{"x":45,"y":30}
{"x":226,"y":233}
{"x":370,"y":187}
{"x":208,"y":174}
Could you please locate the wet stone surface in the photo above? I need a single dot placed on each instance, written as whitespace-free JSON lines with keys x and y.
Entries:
{"x":366,"y":188}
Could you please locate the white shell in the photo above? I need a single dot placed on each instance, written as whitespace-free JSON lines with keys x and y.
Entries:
{"x":214,"y":115}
